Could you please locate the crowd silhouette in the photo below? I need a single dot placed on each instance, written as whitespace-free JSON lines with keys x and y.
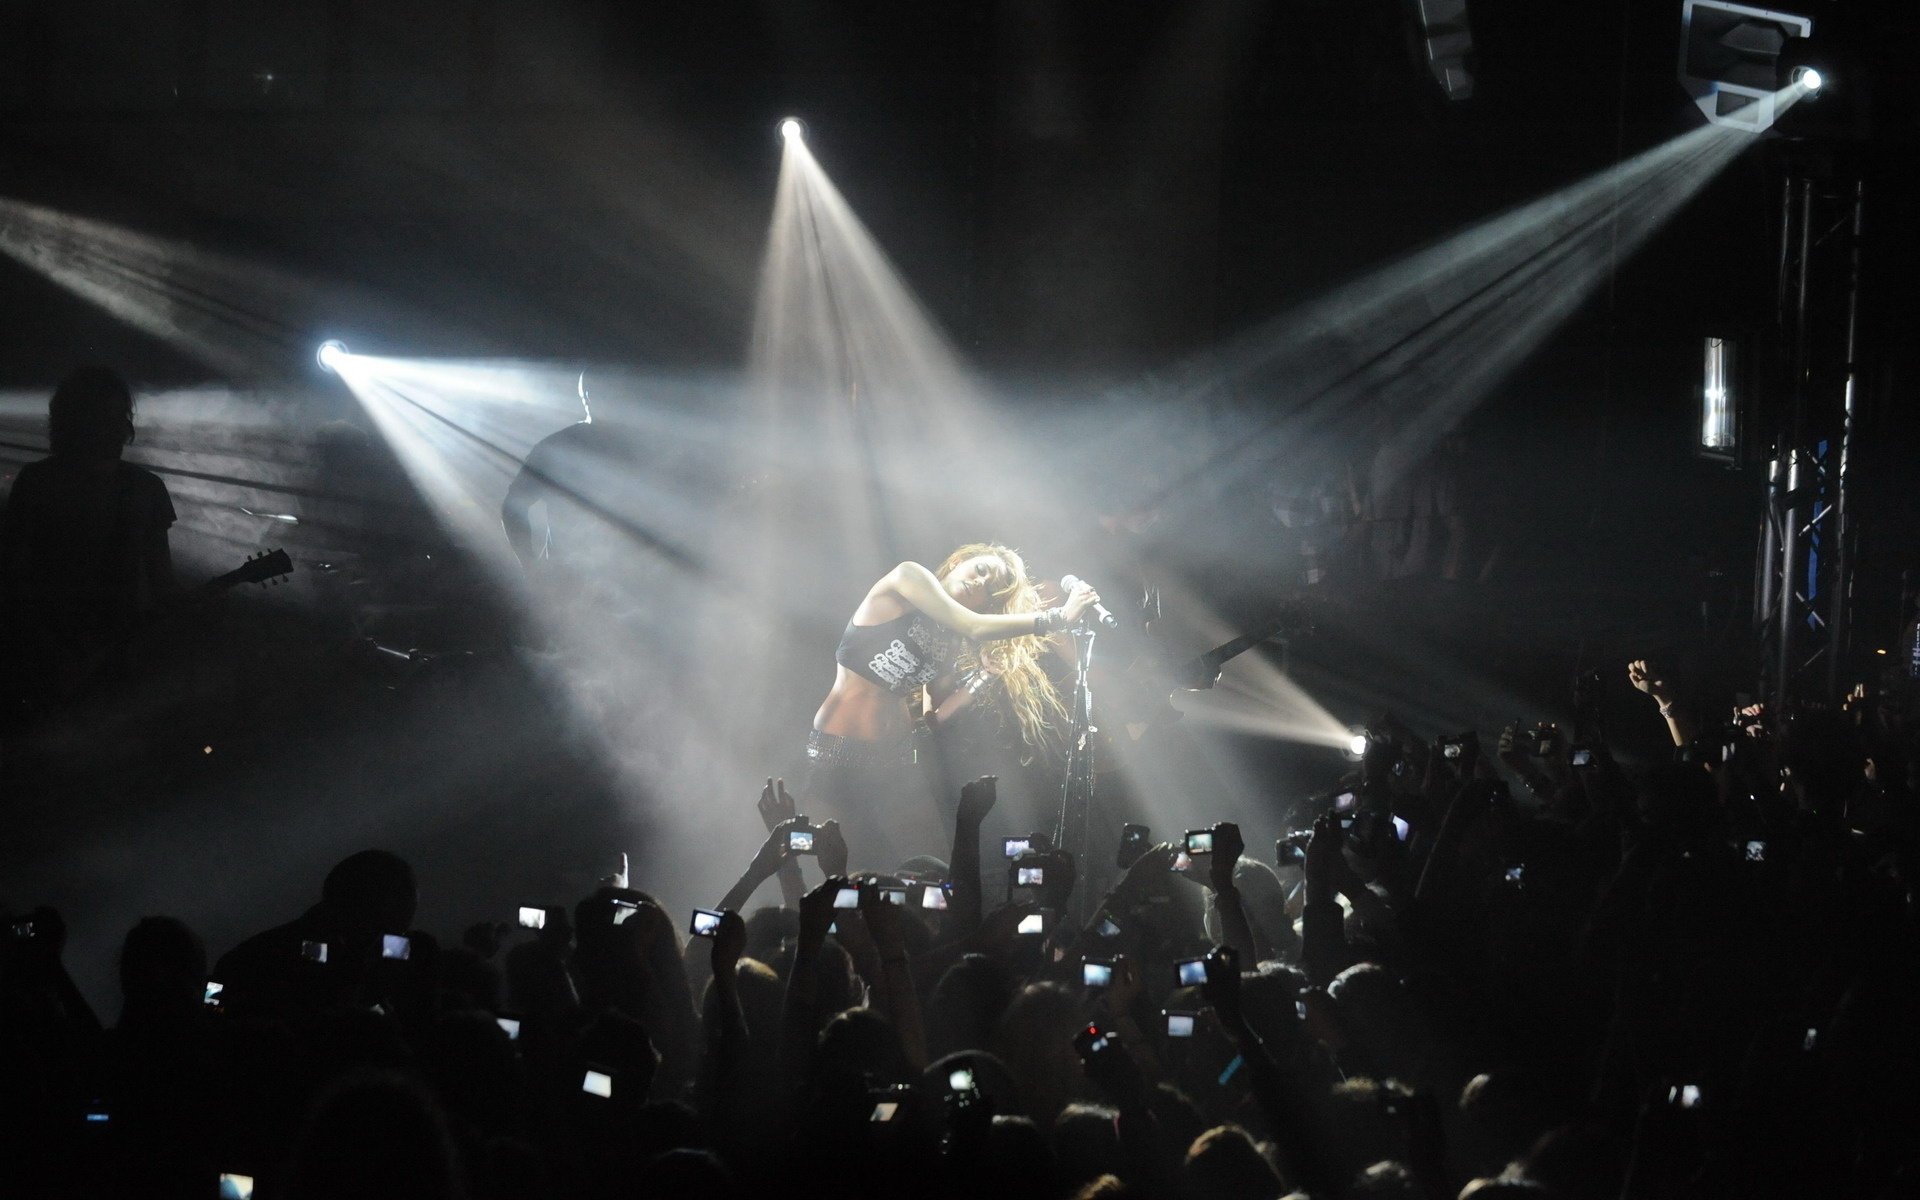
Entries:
{"x":1510,"y":969}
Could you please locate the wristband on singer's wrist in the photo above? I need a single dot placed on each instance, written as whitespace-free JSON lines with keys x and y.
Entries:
{"x":1049,"y":620}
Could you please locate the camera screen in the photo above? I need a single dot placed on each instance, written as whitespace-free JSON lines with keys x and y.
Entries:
{"x":394,"y":945}
{"x":313,"y":951}
{"x":847,"y":897}
{"x":1686,"y":1095}
{"x":705,"y":922}
{"x":1582,"y":756}
{"x":1180,"y":862}
{"x":1030,"y":876}
{"x":1180,"y":1025}
{"x":1450,"y":750}
{"x":235,"y":1186}
{"x":597,"y":1083}
{"x":1107,"y":928}
{"x":884,"y":1110}
{"x":1200,"y":841}
{"x":1756,"y":852}
{"x":1192,"y":972}
{"x":894,"y":895}
{"x":1095,"y":974}
{"x":211,"y":997}
{"x":509,"y":1026}
{"x":1401,"y":829}
{"x":1345,"y":801}
{"x":1017,"y":845}
{"x":961,"y":1079}
{"x":934,"y":897}
{"x":1033,"y":923}
{"x":1346,"y":819}
{"x":800,"y":841}
{"x":532,"y":918}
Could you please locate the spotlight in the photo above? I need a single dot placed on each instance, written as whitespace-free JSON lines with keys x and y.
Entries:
{"x":1808,"y":78}
{"x":1729,"y":56}
{"x":331,"y":354}
{"x":792,"y":128}
{"x":1357,"y":744}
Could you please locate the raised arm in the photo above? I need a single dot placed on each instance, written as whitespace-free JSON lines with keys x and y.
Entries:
{"x":916,"y":585}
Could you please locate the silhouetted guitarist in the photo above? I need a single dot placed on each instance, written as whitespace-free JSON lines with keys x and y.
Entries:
{"x":84,"y":559}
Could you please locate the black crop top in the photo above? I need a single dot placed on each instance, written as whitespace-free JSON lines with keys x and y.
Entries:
{"x":899,"y":655}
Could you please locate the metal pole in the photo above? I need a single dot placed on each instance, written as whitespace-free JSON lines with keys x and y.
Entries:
{"x":1790,"y":503}
{"x":1840,"y":606}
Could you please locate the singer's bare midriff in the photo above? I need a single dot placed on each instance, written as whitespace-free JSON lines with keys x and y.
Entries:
{"x":861,"y":709}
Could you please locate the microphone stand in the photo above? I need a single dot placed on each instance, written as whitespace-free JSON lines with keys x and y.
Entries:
{"x":1071,"y":831}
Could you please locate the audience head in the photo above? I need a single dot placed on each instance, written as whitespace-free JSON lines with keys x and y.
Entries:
{"x":163,"y":971}
{"x":371,"y":892}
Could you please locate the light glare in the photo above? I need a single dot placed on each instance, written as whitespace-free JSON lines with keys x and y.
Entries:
{"x":331,"y":354}
{"x":1809,"y":78}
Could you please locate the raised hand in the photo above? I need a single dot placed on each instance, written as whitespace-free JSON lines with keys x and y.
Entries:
{"x":1325,"y":864}
{"x":729,"y":943}
{"x":816,"y":910}
{"x":1228,"y":846}
{"x":618,"y":878}
{"x":1222,"y":986}
{"x":773,"y":851}
{"x":977,"y":800}
{"x":1644,"y":678}
{"x":830,"y":848}
{"x":883,"y":920}
{"x":775,"y":804}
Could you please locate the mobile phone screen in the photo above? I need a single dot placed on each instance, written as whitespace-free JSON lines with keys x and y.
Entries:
{"x":705,"y":923}
{"x":934,"y":897}
{"x":1033,"y":923}
{"x":1016,"y":846}
{"x":1192,"y":972}
{"x":1179,"y":1025}
{"x":1096,"y":974}
{"x":597,"y":1083}
{"x":847,"y":897}
{"x":532,"y":918}
{"x":394,"y":945}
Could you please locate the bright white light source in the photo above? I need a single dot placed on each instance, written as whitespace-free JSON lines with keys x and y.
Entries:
{"x":331,"y":354}
{"x":1809,"y":78}
{"x":1357,"y":745}
{"x":791,"y":127}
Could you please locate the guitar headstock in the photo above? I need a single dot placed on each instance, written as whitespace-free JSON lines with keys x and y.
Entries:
{"x":264,"y":567}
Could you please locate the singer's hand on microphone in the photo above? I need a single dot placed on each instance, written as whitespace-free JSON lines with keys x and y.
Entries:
{"x":1079,"y":600}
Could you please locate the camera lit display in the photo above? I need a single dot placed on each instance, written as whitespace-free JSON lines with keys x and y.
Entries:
{"x":1192,"y":972}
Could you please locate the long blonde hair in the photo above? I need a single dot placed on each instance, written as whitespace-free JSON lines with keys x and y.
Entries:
{"x":1014,"y":663}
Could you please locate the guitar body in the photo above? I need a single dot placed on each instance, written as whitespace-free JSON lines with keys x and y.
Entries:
{"x":48,"y":670}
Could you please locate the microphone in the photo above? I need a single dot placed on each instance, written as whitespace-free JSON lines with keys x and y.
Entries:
{"x":1101,"y":616}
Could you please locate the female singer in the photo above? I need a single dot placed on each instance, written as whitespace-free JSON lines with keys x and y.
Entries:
{"x":973,"y":625}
